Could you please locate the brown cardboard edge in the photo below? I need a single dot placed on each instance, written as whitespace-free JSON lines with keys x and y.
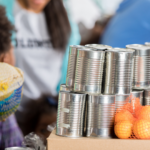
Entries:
{"x":62,"y":143}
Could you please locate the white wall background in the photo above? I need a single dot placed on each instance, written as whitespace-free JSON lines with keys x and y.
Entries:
{"x":88,"y":11}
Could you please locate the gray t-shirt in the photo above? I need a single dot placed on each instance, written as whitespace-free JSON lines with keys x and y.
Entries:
{"x":35,"y":55}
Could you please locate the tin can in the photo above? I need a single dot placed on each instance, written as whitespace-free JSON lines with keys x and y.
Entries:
{"x":89,"y":71}
{"x":72,"y":65}
{"x":141,"y":77}
{"x":100,"y":116}
{"x":118,"y":74}
{"x":70,"y":116}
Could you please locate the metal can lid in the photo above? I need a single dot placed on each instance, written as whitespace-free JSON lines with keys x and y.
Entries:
{"x":99,"y":46}
{"x":140,"y":50}
{"x":119,"y":50}
{"x":124,"y":49}
{"x":120,"y":55}
{"x":91,"y":53}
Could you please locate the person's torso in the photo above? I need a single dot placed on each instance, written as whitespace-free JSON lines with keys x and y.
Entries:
{"x":35,"y":55}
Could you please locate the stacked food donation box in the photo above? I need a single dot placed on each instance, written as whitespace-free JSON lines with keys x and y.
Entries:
{"x":104,"y":86}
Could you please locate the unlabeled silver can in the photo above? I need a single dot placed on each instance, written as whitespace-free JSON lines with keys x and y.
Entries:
{"x":121,"y":100}
{"x":118,"y":73}
{"x":100,"y":116}
{"x":70,"y":115}
{"x":64,"y":88}
{"x":72,"y":65}
{"x":141,"y":77}
{"x":99,"y":46}
{"x":147,"y":97}
{"x":89,"y":71}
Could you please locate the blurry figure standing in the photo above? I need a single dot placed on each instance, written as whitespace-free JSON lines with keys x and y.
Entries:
{"x":130,"y":25}
{"x":43,"y":35}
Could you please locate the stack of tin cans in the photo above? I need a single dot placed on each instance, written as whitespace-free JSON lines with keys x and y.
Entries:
{"x":118,"y":74}
{"x":100,"y":80}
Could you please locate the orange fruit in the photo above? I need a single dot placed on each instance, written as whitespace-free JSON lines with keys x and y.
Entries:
{"x":137,"y":111}
{"x":123,"y":129}
{"x":124,"y":115}
{"x":141,"y":129}
{"x":144,"y":113}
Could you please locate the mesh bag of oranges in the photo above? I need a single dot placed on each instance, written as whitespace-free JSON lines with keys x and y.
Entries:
{"x":132,"y":121}
{"x":11,"y":83}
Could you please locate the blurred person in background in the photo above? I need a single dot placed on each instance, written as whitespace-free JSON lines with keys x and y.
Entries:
{"x":43,"y":36}
{"x":130,"y":25}
{"x":10,"y":134}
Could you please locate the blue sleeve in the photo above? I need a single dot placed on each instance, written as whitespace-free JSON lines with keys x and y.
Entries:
{"x":75,"y":39}
{"x":131,"y":24}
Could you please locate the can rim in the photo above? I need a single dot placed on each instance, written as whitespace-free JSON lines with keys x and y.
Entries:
{"x":124,"y":49}
{"x":120,"y":50}
{"x":99,"y":46}
{"x":77,"y":46}
{"x":140,"y":91}
{"x":140,"y":47}
{"x":71,"y":93}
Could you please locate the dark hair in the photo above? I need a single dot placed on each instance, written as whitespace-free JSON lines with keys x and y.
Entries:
{"x":57,"y":23}
{"x":6,"y":29}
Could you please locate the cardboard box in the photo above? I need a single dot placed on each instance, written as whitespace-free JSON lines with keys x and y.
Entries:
{"x":63,"y":143}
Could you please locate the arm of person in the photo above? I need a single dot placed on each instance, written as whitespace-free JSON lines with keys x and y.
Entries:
{"x":130,"y":25}
{"x":75,"y":39}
